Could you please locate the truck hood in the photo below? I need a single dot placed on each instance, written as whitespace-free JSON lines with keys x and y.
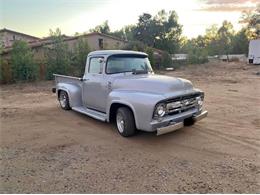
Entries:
{"x":157,"y":84}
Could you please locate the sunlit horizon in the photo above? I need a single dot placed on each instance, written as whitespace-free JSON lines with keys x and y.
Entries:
{"x":37,"y":17}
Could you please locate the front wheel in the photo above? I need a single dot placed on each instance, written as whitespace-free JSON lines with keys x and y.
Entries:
{"x":125,"y":122}
{"x":64,"y":100}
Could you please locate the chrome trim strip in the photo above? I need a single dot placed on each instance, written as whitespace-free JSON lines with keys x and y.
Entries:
{"x":200,"y":116}
{"x":64,"y":76}
{"x":170,"y":128}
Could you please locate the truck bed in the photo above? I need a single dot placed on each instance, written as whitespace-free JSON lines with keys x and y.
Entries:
{"x":73,"y":86}
{"x":67,"y":79}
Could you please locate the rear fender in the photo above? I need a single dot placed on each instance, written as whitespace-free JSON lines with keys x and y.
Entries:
{"x":73,"y":91}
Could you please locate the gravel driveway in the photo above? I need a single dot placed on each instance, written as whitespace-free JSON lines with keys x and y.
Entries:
{"x":47,"y":150}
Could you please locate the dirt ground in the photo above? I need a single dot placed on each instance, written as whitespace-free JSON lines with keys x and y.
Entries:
{"x":45,"y":149}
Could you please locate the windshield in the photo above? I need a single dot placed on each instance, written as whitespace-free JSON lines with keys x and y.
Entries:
{"x":135,"y":64}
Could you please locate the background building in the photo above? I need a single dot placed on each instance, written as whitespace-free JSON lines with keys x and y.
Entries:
{"x":95,"y":40}
{"x":8,"y":37}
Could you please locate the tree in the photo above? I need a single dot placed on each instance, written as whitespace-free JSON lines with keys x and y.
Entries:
{"x":1,"y":62}
{"x":168,"y":31}
{"x":252,"y":21}
{"x":81,"y":51}
{"x":126,"y":33}
{"x":57,"y":55}
{"x":119,"y":33}
{"x":196,"y":50}
{"x":150,"y":53}
{"x":161,"y":31}
{"x":197,"y":55}
{"x":102,"y":28}
{"x":5,"y":68}
{"x":143,"y":31}
{"x":166,"y":60}
{"x":129,"y":32}
{"x":135,"y":45}
{"x":225,"y":36}
{"x":5,"y":72}
{"x":22,"y":64}
{"x":211,"y":40}
{"x":240,"y":42}
{"x":221,"y":40}
{"x":224,"y":40}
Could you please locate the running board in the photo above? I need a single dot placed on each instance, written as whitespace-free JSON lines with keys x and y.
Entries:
{"x":92,"y":113}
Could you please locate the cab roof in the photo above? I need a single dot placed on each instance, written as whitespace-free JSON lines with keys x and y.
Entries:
{"x":115,"y":52}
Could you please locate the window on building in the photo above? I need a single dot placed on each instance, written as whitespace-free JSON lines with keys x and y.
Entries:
{"x":13,"y":37}
{"x":101,"y":43}
{"x":95,"y":65}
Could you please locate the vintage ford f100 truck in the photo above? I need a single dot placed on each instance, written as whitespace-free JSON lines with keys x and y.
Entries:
{"x":121,"y":86}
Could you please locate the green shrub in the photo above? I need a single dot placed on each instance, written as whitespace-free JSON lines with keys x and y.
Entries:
{"x":5,"y":72}
{"x":42,"y":70}
{"x":150,"y":53}
{"x":57,"y":56}
{"x":22,"y":64}
{"x":80,"y":55}
{"x":197,"y":56}
{"x":166,"y":60}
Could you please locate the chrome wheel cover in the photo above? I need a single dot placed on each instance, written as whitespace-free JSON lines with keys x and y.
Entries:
{"x":120,"y":123}
{"x":63,"y":101}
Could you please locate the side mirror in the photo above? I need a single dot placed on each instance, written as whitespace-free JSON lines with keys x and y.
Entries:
{"x":101,"y":60}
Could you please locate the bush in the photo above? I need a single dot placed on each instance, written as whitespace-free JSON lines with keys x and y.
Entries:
{"x":166,"y":60}
{"x":197,"y":56}
{"x":22,"y":64}
{"x":42,"y":70}
{"x":150,"y":53}
{"x":5,"y":72}
{"x":80,"y":55}
{"x":57,"y":56}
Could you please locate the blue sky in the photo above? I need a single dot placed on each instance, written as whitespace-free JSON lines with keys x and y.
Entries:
{"x":36,"y":17}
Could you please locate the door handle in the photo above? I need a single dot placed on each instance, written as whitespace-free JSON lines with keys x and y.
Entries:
{"x":109,"y":85}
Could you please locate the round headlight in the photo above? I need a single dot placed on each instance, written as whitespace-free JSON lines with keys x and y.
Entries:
{"x":160,"y":110}
{"x":200,"y":101}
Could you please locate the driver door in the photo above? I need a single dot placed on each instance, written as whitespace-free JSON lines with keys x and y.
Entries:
{"x":94,"y":85}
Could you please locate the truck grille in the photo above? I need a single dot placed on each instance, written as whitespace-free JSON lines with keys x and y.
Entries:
{"x":182,"y":104}
{"x":189,"y":96}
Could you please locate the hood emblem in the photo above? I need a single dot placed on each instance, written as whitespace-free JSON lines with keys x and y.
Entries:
{"x":185,"y":103}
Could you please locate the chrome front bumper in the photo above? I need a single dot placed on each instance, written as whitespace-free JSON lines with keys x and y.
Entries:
{"x":178,"y":125}
{"x":200,"y":116}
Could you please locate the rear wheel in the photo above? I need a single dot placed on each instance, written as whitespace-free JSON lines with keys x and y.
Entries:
{"x":64,"y":100}
{"x":125,"y":122}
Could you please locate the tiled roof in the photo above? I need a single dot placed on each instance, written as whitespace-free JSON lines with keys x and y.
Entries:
{"x":11,"y":31}
{"x":48,"y":40}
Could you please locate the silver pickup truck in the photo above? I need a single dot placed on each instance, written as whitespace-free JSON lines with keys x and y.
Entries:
{"x":121,"y":86}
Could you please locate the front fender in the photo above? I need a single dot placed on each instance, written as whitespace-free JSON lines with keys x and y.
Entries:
{"x":73,"y":91}
{"x":141,"y":103}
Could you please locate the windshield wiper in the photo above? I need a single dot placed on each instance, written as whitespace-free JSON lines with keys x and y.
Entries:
{"x":139,"y":71}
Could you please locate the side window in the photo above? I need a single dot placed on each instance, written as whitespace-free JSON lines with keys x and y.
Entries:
{"x":95,"y":65}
